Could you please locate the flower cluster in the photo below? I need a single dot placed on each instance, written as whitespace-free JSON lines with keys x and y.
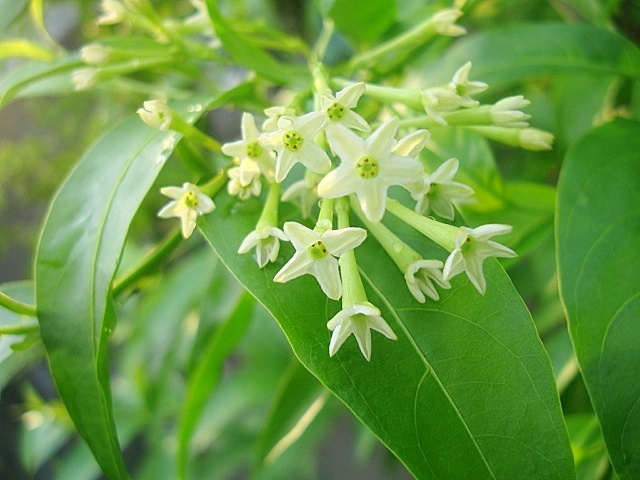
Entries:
{"x":330,"y":156}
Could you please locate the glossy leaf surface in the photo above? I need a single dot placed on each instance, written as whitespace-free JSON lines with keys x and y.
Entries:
{"x":465,"y":392}
{"x":598,"y":248}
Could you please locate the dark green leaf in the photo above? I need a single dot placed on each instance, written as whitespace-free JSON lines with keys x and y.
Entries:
{"x":466,"y":391}
{"x":598,"y":247}
{"x":508,"y":56}
{"x":77,"y":257}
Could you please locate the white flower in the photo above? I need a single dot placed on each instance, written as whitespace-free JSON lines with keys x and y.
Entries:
{"x":250,"y":148}
{"x":189,"y":202}
{"x":113,"y":11}
{"x":358,"y":319}
{"x":315,"y":254}
{"x":84,"y":77}
{"x":420,"y":277}
{"x":444,"y":22}
{"x":338,"y":109}
{"x":464,"y":87}
{"x":266,"y":240}
{"x":411,"y":145}
{"x":505,"y":112}
{"x":95,"y":54}
{"x":439,"y":191}
{"x":156,"y":114}
{"x":273,"y":116}
{"x":368,"y":168}
{"x":472,"y":246}
{"x":244,"y":180}
{"x":535,"y":139}
{"x":293,"y":141}
{"x":441,"y":99}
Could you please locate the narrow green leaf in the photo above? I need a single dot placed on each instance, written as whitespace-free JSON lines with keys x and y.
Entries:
{"x":299,"y":398}
{"x":208,"y":374}
{"x":598,"y":249}
{"x":77,"y":258}
{"x":249,"y":55}
{"x":25,"y":49}
{"x":507,"y":56}
{"x":10,"y":10}
{"x":466,"y":391}
{"x":30,"y":73}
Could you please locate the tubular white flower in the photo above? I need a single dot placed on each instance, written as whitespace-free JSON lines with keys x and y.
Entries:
{"x":358,"y":319}
{"x":189,"y":202}
{"x":439,"y":191}
{"x":244,"y":180}
{"x":368,"y":168}
{"x":156,"y":114}
{"x":95,"y":54}
{"x":338,"y":109}
{"x":315,"y":255}
{"x":535,"y":139}
{"x":250,"y":148}
{"x":421,"y":275}
{"x":465,"y":87}
{"x":84,"y":77}
{"x":273,"y":116}
{"x":505,"y":112}
{"x":444,"y":22}
{"x":266,"y":241}
{"x":294,"y":142}
{"x":113,"y":12}
{"x":472,"y":246}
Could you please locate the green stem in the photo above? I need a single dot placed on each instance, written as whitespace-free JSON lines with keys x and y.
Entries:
{"x":148,"y":263}
{"x":164,"y":249}
{"x":353,"y":288}
{"x":19,"y":329}
{"x":325,"y":218}
{"x":269,"y":215}
{"x":441,"y":233}
{"x":16,"y":306}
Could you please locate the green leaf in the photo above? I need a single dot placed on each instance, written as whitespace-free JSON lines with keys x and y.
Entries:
{"x":466,"y":391}
{"x":77,"y":257}
{"x":207,"y":375}
{"x":351,"y":15}
{"x":598,"y":248}
{"x":504,"y":57}
{"x":30,"y":73}
{"x":10,"y":10}
{"x":299,"y":399}
{"x":246,"y":53}
{"x":24,"y":48}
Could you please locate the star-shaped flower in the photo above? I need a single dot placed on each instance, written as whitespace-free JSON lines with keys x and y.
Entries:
{"x":472,"y":246}
{"x":293,"y":142}
{"x":358,"y":319}
{"x":156,"y":114}
{"x":315,"y":254}
{"x":266,"y":241}
{"x":244,"y":180}
{"x":439,"y":191}
{"x":189,"y":202}
{"x":368,"y":168}
{"x":338,"y":108}
{"x":421,"y":275}
{"x":465,"y":87}
{"x":250,"y":148}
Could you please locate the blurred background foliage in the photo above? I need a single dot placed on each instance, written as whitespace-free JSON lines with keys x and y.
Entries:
{"x":163,"y":333}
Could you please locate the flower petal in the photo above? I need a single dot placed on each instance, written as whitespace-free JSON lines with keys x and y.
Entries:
{"x":314,"y":158}
{"x":298,"y":265}
{"x":373,"y":199}
{"x":379,"y":143}
{"x":343,"y":240}
{"x":346,"y":144}
{"x":350,"y":94}
{"x":300,"y":236}
{"x":326,"y":272}
{"x":339,"y":182}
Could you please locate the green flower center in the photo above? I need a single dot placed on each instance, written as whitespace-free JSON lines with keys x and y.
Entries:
{"x":367,"y":167}
{"x":467,"y":247}
{"x":317,"y":250}
{"x":292,"y":140}
{"x":254,"y":149}
{"x":190,"y":199}
{"x":335,"y":112}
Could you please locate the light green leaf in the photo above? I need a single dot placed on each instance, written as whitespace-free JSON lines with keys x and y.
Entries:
{"x":28,"y":74}
{"x":299,"y":399}
{"x":350,"y":17}
{"x":10,"y":10}
{"x":598,"y":249}
{"x":207,"y":375}
{"x":77,"y":257}
{"x":504,"y":57}
{"x":25,"y":49}
{"x":466,"y":391}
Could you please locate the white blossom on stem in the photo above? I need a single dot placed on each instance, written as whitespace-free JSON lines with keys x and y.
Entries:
{"x":188,"y":203}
